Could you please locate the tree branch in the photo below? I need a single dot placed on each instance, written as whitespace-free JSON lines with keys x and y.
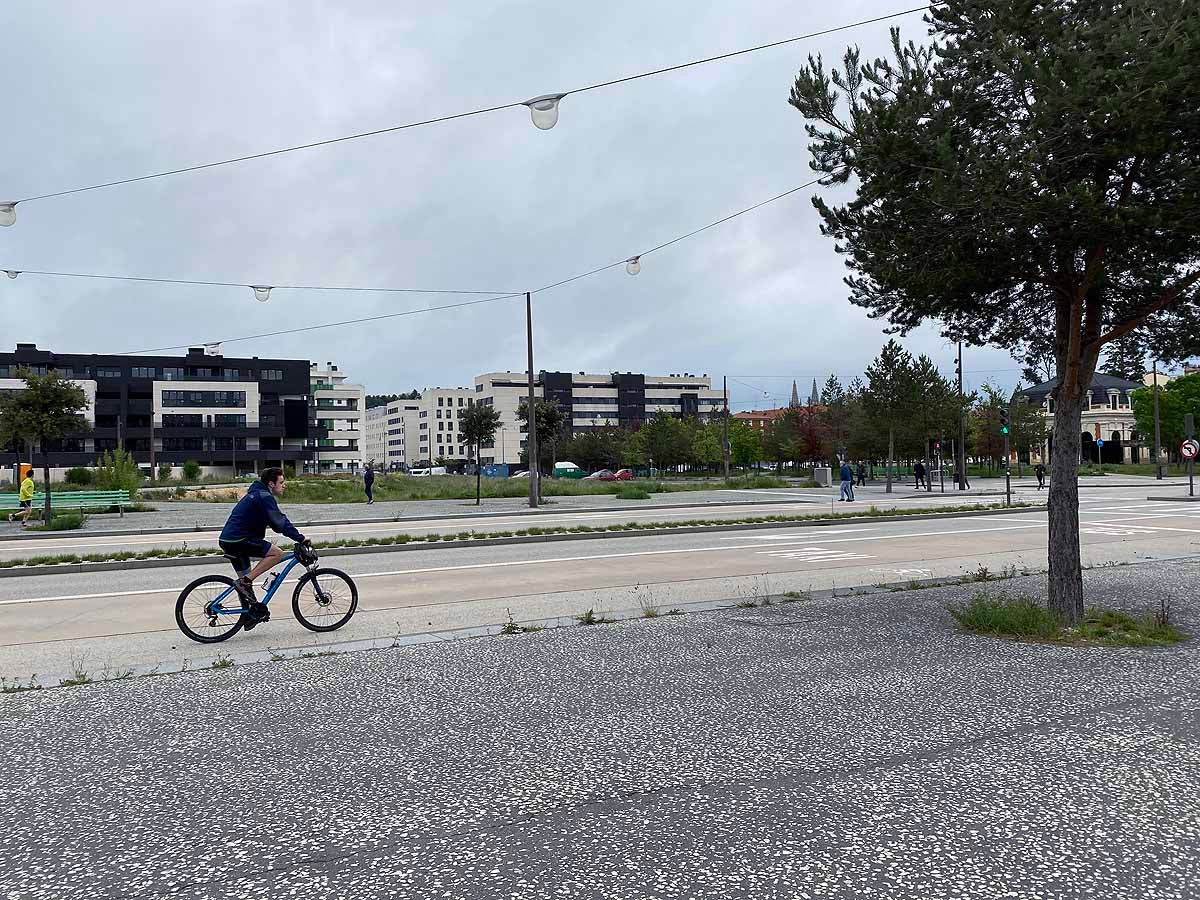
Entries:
{"x":1168,"y":299}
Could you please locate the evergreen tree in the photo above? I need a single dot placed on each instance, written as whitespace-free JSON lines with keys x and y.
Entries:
{"x":1036,"y":168}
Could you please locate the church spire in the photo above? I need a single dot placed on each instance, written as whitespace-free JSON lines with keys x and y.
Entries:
{"x":795,"y":396}
{"x":815,"y":398}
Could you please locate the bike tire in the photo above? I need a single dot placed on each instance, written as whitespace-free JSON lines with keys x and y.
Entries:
{"x":189,"y":615}
{"x":307,"y":604}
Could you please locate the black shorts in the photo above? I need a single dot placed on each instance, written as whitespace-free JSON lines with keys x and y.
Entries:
{"x":244,"y":550}
{"x":26,"y":504}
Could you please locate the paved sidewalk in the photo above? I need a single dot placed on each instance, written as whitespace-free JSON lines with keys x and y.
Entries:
{"x":842,"y":748}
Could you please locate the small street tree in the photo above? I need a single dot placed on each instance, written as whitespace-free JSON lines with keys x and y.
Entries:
{"x":550,"y":426}
{"x":48,"y":409}
{"x":1035,"y":169}
{"x":745,"y":445}
{"x":890,"y":396}
{"x":478,"y":424}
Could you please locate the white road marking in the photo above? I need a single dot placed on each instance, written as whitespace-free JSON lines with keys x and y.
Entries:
{"x":814,"y":554}
{"x":559,"y":559}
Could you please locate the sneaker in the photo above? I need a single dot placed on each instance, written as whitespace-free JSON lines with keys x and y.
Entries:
{"x":256,"y":614}
{"x":245,"y":589}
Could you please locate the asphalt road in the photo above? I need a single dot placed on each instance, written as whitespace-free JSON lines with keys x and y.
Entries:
{"x":112,"y":621}
{"x":840,"y":748}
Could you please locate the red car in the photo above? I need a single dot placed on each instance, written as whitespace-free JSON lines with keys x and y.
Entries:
{"x":624,"y":475}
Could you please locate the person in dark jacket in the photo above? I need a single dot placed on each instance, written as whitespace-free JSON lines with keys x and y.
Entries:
{"x":1040,"y":471}
{"x":846,"y":474}
{"x":862,"y":475}
{"x":245,"y":531}
{"x":369,"y":483}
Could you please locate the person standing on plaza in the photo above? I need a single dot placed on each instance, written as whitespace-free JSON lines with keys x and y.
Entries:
{"x":847,"y":477}
{"x":1040,"y":471}
{"x":862,"y":474}
{"x":919,"y":474}
{"x":369,"y":483}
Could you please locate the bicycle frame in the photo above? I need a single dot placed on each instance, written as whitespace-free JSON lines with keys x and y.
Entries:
{"x":266,"y":598}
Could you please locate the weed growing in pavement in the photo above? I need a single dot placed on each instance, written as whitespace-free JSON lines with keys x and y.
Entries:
{"x":1162,"y":615}
{"x":645,"y":602}
{"x":590,"y":618}
{"x":317,"y":654}
{"x":276,"y":656}
{"x":673,"y":612}
{"x":745,"y":604}
{"x":795,"y":596}
{"x":1008,"y":572}
{"x":512,"y":627}
{"x":107,"y":674}
{"x":79,"y":675}
{"x":981,"y":574}
{"x":17,"y":687}
{"x":222,"y":662}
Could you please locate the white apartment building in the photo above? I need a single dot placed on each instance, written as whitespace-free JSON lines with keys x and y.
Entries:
{"x":388,"y":431}
{"x":620,"y":399}
{"x":436,"y":433}
{"x":338,"y":407}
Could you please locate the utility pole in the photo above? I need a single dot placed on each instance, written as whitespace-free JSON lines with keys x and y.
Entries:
{"x":1158,"y":472}
{"x":531,"y":443}
{"x":1189,"y":429}
{"x":960,"y":448}
{"x":725,"y":427}
{"x":153,"y":470}
{"x":1007,"y":479}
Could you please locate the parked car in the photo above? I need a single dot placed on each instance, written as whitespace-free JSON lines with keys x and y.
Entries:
{"x":524,"y":474}
{"x":624,"y":475}
{"x":603,"y":475}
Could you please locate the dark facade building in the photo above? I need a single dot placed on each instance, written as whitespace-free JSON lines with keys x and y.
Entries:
{"x":228,"y":414}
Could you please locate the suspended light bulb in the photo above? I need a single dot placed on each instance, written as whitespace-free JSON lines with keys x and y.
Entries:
{"x":633,"y":265}
{"x":8,"y":212}
{"x":544,"y":110}
{"x":11,"y":273}
{"x":262,"y":293}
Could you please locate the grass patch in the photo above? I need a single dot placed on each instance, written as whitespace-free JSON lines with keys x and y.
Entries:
{"x":66,"y":522}
{"x":795,"y":596}
{"x":222,"y":662}
{"x":1024,"y":618}
{"x":630,"y":492}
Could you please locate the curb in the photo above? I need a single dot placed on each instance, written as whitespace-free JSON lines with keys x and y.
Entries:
{"x":399,"y":520}
{"x":213,"y":559}
{"x":1176,"y":499}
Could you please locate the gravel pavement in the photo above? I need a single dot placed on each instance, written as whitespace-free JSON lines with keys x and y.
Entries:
{"x":833,"y":748}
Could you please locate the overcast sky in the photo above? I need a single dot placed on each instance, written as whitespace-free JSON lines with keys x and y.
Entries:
{"x":97,"y":92}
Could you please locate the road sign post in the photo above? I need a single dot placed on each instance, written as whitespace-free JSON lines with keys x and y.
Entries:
{"x":1188,"y":451}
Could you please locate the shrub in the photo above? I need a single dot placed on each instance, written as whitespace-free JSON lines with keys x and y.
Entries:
{"x":632,"y":493}
{"x":289,"y":471}
{"x":79,"y":475}
{"x":116,"y":470}
{"x":66,"y":522}
{"x":164,"y":471}
{"x":191,"y":470}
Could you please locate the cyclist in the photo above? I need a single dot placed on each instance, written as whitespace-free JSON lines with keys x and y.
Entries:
{"x":244,"y":533}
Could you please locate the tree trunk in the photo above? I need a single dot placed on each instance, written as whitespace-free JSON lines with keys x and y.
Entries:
{"x":1066,"y":577}
{"x":478,"y":475}
{"x":46,"y":479}
{"x":891,"y":455}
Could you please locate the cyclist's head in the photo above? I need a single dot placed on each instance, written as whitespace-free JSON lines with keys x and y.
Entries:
{"x":273,"y":478}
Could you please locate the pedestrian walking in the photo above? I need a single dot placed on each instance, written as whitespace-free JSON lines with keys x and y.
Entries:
{"x":25,"y":499}
{"x":369,"y":483}
{"x":847,"y":476}
{"x":862,"y":474}
{"x":1040,"y":471}
{"x":919,"y":474}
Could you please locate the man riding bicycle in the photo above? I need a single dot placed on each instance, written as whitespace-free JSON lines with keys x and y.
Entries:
{"x":243,"y":536}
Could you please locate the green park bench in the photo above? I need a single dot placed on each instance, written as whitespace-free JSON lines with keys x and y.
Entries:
{"x":78,"y":500}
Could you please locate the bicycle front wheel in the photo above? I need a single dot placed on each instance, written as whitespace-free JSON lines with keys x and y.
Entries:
{"x":209,"y":609}
{"x":324,"y":599}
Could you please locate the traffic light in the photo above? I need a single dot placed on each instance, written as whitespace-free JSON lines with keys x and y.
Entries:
{"x":1003,"y":420}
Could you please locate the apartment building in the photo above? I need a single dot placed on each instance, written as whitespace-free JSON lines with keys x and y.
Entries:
{"x":231,"y":415}
{"x":437,"y":434}
{"x":619,"y":399}
{"x":389,"y":429}
{"x":338,"y":406}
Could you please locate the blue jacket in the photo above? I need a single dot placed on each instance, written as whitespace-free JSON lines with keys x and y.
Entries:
{"x":369,"y":477}
{"x":846,"y":473}
{"x":254,"y":513}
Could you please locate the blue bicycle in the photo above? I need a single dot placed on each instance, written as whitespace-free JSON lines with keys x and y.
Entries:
{"x":210,"y":609}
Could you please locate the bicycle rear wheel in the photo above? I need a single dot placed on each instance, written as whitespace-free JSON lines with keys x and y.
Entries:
{"x":209,"y":609}
{"x":324,"y":599}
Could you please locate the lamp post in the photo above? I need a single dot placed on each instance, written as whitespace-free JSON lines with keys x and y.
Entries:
{"x":1158,"y":472}
{"x":531,"y":423}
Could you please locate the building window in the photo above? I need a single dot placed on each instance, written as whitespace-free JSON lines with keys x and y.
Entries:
{"x":182,"y":420}
{"x":204,"y":398}
{"x":272,"y":375}
{"x":143,"y":372}
{"x":203,"y":373}
{"x":440,"y":399}
{"x":232,"y":374}
{"x":230,"y":420}
{"x":106,"y":372}
{"x":462,"y":401}
{"x":1112,"y":400}
{"x":172,"y":373}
